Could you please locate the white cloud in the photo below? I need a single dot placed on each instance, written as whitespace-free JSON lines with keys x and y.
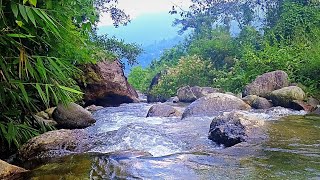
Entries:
{"x":137,"y":8}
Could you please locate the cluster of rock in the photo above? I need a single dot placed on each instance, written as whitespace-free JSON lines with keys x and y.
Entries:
{"x":268,"y":90}
{"x":68,"y":116}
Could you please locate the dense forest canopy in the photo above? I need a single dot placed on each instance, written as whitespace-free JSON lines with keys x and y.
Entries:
{"x":44,"y":44}
{"x":287,"y":38}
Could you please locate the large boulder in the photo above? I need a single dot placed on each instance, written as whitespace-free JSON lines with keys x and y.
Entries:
{"x":185,"y":94}
{"x":190,"y":94}
{"x":267,"y":83}
{"x":257,"y":102}
{"x":106,"y":85}
{"x":8,"y":171}
{"x":235,"y":127}
{"x":55,"y":144}
{"x":155,"y":81}
{"x":285,"y":96}
{"x":213,"y":104}
{"x":162,"y":110}
{"x":72,"y":116}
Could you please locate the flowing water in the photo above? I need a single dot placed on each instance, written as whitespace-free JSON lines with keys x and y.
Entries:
{"x":130,"y":146}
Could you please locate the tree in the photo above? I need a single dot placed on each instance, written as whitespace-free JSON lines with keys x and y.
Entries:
{"x":42,"y":45}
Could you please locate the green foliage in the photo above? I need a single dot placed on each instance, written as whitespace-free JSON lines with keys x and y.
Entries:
{"x":289,"y":41}
{"x":140,"y":78}
{"x":43,"y":43}
{"x":191,"y":70}
{"x":216,"y":46}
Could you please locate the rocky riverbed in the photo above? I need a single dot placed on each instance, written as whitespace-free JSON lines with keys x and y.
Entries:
{"x":127,"y":144}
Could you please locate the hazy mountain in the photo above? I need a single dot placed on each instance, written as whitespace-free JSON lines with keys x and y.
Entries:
{"x":145,"y":29}
{"x":154,"y":32}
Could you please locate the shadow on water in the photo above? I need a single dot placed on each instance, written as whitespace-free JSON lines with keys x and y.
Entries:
{"x":292,"y":151}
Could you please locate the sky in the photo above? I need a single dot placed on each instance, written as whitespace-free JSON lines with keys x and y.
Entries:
{"x":136,"y":8}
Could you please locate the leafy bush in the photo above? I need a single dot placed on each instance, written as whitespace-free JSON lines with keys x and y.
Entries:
{"x":191,"y":70}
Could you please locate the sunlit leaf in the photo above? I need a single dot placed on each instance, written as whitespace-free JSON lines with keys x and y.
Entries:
{"x":23,"y":12}
{"x":30,"y":15}
{"x":70,"y":89}
{"x":33,"y":2}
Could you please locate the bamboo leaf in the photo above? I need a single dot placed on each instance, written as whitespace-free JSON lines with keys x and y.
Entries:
{"x":20,"y":35}
{"x":41,"y":93}
{"x":23,"y":12}
{"x":24,"y":92}
{"x":70,"y":89}
{"x":14,"y":9}
{"x":30,"y":15}
{"x":33,"y":2}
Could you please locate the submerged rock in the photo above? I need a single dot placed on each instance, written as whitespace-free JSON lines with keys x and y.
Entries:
{"x":106,"y":85}
{"x":235,"y":127}
{"x":213,"y":104}
{"x":72,"y":116}
{"x":285,"y":96}
{"x":55,"y":144}
{"x":93,"y":108}
{"x":162,"y":110}
{"x":267,"y":83}
{"x":8,"y":171}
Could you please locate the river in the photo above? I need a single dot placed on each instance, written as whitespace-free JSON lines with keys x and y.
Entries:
{"x":130,"y":146}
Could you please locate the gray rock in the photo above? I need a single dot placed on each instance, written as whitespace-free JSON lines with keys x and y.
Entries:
{"x":93,"y":108}
{"x":267,"y":83}
{"x":214,"y":104}
{"x":55,"y":144}
{"x":72,"y":116}
{"x":285,"y":96}
{"x":313,"y":102}
{"x":261,"y":103}
{"x":162,"y":110}
{"x":250,"y":99}
{"x":8,"y":171}
{"x":199,"y":92}
{"x":235,"y":127}
{"x":190,"y":94}
{"x":106,"y":85}
{"x":47,"y":122}
{"x":185,"y":94}
{"x":317,"y":111}
{"x":174,"y":99}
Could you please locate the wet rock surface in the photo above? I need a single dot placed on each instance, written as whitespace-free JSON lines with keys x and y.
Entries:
{"x":235,"y":127}
{"x":8,"y":171}
{"x":72,"y":116}
{"x":162,"y":110}
{"x":285,"y":96}
{"x":106,"y":85}
{"x":213,"y":104}
{"x":55,"y":144}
